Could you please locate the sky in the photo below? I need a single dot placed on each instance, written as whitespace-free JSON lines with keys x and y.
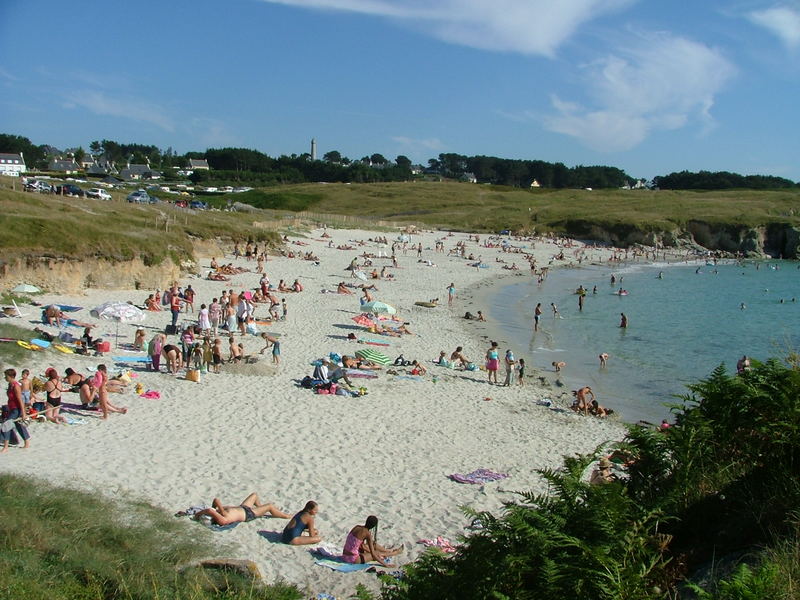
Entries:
{"x":649,"y":86}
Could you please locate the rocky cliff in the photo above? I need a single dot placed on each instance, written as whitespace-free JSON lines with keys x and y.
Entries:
{"x":777,"y":240}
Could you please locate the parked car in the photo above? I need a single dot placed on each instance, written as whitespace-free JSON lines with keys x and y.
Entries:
{"x":69,"y":189}
{"x":139,"y":196}
{"x":197,"y":205}
{"x":98,"y":193}
{"x":42,"y":187}
{"x":154,"y":200}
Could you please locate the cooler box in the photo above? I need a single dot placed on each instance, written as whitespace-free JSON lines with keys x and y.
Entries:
{"x":103,"y":347}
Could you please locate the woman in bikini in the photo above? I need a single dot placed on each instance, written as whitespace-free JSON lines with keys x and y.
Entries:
{"x":361,"y":545}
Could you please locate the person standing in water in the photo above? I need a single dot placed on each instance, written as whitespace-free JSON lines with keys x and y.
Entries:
{"x":537,"y":313}
{"x":623,"y":321}
{"x":556,"y":314}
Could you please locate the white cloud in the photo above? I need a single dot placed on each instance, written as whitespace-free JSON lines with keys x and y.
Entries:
{"x":782,"y":21}
{"x":137,"y":110}
{"x":662,"y":82}
{"x":211,"y":133}
{"x":536,"y":27}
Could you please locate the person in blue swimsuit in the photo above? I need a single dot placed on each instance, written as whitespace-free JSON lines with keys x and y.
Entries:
{"x":302,"y":521}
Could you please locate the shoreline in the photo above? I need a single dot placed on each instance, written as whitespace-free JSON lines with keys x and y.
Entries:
{"x":387,"y":453}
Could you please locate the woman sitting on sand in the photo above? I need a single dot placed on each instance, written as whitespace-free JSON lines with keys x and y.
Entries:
{"x":297,"y":286}
{"x":152,"y":304}
{"x":362,"y":547}
{"x":302,"y":522}
{"x":341,"y":289}
{"x":250,"y":508}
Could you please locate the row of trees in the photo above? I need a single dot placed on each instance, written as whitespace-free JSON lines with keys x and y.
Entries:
{"x":244,"y":165}
{"x":720,"y":180}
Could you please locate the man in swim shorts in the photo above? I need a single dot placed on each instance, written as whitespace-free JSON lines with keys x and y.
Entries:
{"x":250,"y":508}
{"x":537,"y":314}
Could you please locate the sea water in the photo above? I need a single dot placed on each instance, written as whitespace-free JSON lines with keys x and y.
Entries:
{"x":683,"y":321}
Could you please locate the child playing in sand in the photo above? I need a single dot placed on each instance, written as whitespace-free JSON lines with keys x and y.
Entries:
{"x":216,"y":354}
{"x":138,"y":340}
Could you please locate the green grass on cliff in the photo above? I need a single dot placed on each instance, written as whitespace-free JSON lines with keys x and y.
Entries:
{"x":36,"y":225}
{"x":490,"y":208}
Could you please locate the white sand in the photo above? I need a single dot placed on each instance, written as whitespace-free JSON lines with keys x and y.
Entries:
{"x":388,"y":453}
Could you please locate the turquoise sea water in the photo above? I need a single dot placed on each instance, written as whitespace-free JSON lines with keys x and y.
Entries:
{"x":680,"y":326}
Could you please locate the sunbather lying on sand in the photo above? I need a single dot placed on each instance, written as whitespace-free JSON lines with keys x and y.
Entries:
{"x":217,"y":277}
{"x":250,"y":508}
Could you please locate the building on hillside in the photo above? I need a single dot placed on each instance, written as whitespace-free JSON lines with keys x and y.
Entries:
{"x":198,"y":164}
{"x":139,"y":173}
{"x":468,"y":178}
{"x":64,"y":165}
{"x":87,"y":162}
{"x":102,"y":166}
{"x":12,"y":164}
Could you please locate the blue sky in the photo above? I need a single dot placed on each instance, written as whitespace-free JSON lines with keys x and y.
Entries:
{"x":648,"y":86}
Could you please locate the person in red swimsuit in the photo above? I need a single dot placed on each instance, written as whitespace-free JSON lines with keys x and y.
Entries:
{"x":16,"y":412}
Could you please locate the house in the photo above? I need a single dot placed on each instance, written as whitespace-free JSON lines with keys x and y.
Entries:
{"x":468,"y":178}
{"x":64,"y":165}
{"x":12,"y":164}
{"x":139,"y":172}
{"x":198,"y":164}
{"x":87,"y":162}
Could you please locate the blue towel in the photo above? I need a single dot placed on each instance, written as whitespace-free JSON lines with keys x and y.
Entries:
{"x":341,"y":566}
{"x":130,"y":358}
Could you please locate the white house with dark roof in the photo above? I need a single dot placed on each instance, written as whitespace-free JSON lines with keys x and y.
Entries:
{"x":12,"y":164}
{"x":139,"y":172}
{"x":198,"y":164}
{"x":64,"y":165}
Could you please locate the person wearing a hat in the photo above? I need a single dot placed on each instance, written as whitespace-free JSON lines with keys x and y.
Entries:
{"x":602,"y":474}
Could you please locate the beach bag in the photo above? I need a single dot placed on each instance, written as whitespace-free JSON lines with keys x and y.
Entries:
{"x":471,"y":367}
{"x":193,"y":375}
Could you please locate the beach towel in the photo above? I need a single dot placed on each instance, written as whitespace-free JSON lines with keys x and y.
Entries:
{"x":69,"y":420}
{"x":151,"y":395}
{"x":359,"y":373}
{"x":477,"y":477}
{"x":343,"y":567}
{"x":374,"y":342}
{"x":440,"y":542}
{"x":131,"y":359}
{"x":327,"y":550}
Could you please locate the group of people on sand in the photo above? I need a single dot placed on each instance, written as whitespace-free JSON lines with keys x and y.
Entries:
{"x":360,"y":546}
{"x":23,"y":401}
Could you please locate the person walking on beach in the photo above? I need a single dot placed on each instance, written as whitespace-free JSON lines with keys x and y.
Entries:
{"x":623,"y":321}
{"x":492,"y":362}
{"x":451,"y":293}
{"x":175,"y":306}
{"x":537,"y":314}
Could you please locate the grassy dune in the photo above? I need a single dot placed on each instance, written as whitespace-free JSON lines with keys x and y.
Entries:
{"x":78,"y":228}
{"x":490,"y":208}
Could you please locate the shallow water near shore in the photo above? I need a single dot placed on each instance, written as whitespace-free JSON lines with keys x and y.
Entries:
{"x":681,"y":326}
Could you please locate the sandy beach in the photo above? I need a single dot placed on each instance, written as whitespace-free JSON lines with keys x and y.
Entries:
{"x":252,"y":428}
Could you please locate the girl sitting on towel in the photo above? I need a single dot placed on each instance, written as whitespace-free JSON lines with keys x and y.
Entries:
{"x":362,"y":547}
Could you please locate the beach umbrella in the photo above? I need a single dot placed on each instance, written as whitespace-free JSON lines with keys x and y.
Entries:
{"x":26,"y":288}
{"x":378,"y":308}
{"x":121,"y":312}
{"x":373,"y":355}
{"x":364,"y":321}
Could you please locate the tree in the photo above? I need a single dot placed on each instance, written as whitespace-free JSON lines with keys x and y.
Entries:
{"x":15,"y":144}
{"x":95,"y":147}
{"x":79,"y":155}
{"x":334,"y":156}
{"x":403,"y":162}
{"x":378,"y":159}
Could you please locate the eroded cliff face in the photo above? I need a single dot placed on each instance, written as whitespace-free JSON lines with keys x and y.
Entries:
{"x":72,"y":276}
{"x":776,"y":240}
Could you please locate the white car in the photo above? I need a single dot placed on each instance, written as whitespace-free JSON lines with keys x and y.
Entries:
{"x":98,"y":193}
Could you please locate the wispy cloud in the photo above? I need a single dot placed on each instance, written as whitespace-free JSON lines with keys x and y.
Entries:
{"x":781,"y":21}
{"x":419,"y":144}
{"x":102,"y":103}
{"x":211,"y":133}
{"x":536,"y":27}
{"x":661,"y":82}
